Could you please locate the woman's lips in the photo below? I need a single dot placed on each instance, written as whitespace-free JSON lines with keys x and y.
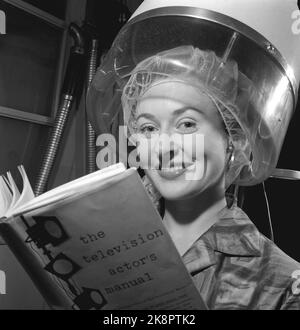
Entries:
{"x":173,"y":172}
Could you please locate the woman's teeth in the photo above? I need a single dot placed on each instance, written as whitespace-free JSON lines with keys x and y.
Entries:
{"x":178,"y":168}
{"x":172,"y":169}
{"x":172,"y":172}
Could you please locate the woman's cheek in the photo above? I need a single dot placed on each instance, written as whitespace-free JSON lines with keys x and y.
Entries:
{"x":215,"y":151}
{"x":193,"y":148}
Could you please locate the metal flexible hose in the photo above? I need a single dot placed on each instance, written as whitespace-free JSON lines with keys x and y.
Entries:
{"x":69,"y":90}
{"x":52,"y":147}
{"x":91,"y":136}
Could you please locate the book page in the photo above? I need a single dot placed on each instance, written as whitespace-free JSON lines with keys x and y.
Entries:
{"x":5,"y":197}
{"x":27,"y":192}
{"x":10,"y":197}
{"x":73,"y":188}
{"x":15,"y":191}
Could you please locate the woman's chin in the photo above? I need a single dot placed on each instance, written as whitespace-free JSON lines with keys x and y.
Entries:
{"x":178,"y":191}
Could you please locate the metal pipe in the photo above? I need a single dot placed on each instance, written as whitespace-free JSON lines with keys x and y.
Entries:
{"x":70,"y":86}
{"x":77,"y":35}
{"x":91,"y":136}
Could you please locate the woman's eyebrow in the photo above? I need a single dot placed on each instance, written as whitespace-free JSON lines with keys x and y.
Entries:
{"x":184,"y":109}
{"x":147,"y":116}
{"x":175,"y":113}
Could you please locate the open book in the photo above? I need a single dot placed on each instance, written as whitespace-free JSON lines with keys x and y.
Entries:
{"x":95,"y":243}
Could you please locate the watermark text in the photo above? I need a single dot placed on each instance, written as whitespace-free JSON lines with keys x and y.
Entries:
{"x":296,"y":24}
{"x":172,"y":154}
{"x":2,"y":282}
{"x":2,"y":22}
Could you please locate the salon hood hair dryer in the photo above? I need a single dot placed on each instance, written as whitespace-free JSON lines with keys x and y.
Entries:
{"x":261,"y":36}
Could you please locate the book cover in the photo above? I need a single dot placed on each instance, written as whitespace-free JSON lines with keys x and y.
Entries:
{"x":102,"y":248}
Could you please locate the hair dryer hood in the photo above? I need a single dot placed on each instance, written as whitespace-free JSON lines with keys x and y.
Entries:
{"x":225,"y":28}
{"x":273,"y":19}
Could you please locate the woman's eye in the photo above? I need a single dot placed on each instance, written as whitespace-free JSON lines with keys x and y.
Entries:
{"x":187,"y":126}
{"x":148,"y":130}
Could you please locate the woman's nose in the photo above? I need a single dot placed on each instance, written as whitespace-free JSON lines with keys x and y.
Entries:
{"x":165,"y":159}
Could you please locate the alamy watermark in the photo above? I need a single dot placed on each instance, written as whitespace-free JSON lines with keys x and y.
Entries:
{"x":2,"y":282}
{"x":296,"y":24}
{"x":2,"y":22}
{"x":176,"y":153}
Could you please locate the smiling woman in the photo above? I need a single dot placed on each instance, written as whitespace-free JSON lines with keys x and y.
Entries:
{"x":173,"y":100}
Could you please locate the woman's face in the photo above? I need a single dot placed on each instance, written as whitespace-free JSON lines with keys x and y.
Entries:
{"x":181,"y":139}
